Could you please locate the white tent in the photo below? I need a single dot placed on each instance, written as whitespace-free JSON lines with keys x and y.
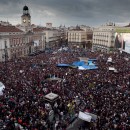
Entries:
{"x":2,"y":87}
{"x":85,"y":116}
{"x":111,"y":68}
{"x":51,"y":97}
{"x":109,"y":59}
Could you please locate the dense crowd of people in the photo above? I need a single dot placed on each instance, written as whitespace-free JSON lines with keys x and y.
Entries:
{"x":101,"y":92}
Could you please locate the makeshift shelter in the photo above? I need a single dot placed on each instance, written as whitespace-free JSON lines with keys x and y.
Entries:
{"x":90,"y":63}
{"x":88,"y":67}
{"x":78,"y":63}
{"x":83,"y":66}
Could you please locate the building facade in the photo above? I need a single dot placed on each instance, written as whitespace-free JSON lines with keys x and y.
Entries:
{"x":76,"y":37}
{"x":80,"y":36}
{"x":14,"y":40}
{"x":53,"y":38}
{"x":21,"y":40}
{"x":104,"y":37}
{"x":109,"y":37}
{"x":89,"y":36}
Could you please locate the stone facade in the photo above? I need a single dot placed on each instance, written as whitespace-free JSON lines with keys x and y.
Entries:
{"x":104,"y":37}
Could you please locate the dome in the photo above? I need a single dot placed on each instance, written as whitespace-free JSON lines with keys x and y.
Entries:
{"x":25,"y":7}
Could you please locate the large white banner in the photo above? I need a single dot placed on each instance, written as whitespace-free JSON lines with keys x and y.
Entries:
{"x":122,"y":41}
{"x":127,"y":47}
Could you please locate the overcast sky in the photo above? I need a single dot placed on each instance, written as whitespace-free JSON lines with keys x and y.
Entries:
{"x":68,"y":12}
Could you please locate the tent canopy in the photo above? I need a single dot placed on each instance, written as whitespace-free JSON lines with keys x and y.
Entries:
{"x":111,"y":68}
{"x":78,"y":63}
{"x":84,"y":116}
{"x":90,"y":63}
{"x":109,"y":59}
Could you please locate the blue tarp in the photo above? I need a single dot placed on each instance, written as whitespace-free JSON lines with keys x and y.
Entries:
{"x":78,"y":63}
{"x":90,"y":67}
{"x":90,"y":63}
{"x":63,"y":65}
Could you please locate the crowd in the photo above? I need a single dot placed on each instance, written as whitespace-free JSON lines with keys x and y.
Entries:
{"x":101,"y":92}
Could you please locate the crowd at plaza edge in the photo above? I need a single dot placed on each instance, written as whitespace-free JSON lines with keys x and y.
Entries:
{"x":101,"y":92}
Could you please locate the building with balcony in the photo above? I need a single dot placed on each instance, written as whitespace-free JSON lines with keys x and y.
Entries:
{"x":14,"y":40}
{"x":76,"y":37}
{"x":104,"y":37}
{"x":53,"y":37}
{"x":110,"y":37}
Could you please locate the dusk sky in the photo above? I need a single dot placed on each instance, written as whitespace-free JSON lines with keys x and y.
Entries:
{"x":67,"y":12}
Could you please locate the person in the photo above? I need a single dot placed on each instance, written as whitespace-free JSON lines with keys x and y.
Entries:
{"x":100,"y":92}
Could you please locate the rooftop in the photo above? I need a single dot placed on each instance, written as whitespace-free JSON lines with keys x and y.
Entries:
{"x":9,"y":29}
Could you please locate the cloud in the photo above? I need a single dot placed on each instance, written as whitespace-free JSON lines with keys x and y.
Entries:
{"x":89,"y":12}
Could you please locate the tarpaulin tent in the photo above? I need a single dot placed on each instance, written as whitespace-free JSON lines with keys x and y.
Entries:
{"x":87,"y":67}
{"x":90,"y":63}
{"x":78,"y":63}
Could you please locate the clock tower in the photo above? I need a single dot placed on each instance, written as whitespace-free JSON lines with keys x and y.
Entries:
{"x":26,"y":18}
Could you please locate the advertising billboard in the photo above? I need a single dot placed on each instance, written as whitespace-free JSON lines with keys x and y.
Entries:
{"x":127,"y":47}
{"x":122,"y":41}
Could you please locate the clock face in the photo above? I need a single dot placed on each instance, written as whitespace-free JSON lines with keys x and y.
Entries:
{"x":24,"y":20}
